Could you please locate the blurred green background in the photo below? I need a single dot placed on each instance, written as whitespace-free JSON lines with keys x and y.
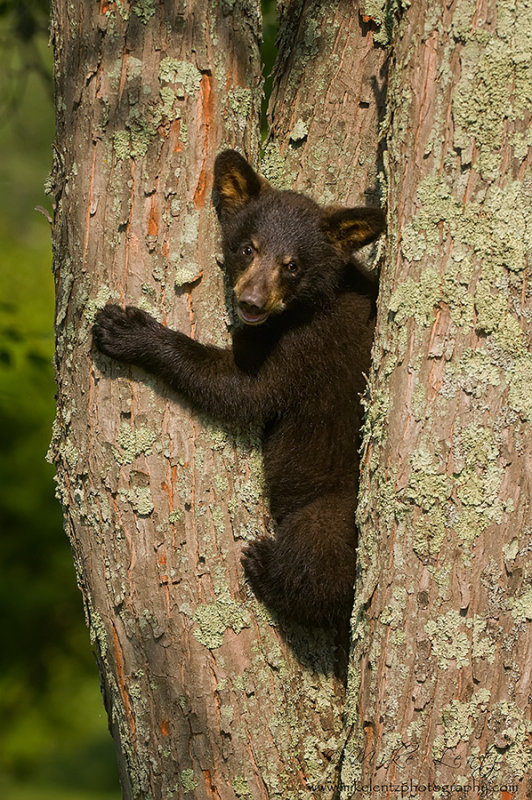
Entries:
{"x":54,"y":742}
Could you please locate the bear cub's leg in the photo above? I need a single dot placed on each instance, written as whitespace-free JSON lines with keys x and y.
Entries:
{"x":307,"y":572}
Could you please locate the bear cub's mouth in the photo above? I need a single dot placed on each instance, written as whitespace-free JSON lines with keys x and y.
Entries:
{"x":251,"y":317}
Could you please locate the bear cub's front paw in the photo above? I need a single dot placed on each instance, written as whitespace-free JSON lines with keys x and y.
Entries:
{"x":122,"y":333}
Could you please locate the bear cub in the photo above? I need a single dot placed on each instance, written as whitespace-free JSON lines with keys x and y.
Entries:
{"x":296,"y":366}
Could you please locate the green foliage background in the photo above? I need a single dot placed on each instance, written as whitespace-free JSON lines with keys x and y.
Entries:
{"x":54,"y":742}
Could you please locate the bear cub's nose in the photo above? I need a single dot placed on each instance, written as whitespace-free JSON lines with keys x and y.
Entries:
{"x":251,"y":302}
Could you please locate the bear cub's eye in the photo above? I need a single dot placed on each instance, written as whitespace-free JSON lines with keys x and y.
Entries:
{"x":292,"y":267}
{"x":247,"y":250}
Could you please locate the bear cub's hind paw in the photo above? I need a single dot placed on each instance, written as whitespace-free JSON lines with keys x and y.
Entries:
{"x":256,"y":558}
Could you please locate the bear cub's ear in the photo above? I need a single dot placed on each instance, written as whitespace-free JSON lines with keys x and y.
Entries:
{"x":235,"y":182}
{"x":352,"y":228}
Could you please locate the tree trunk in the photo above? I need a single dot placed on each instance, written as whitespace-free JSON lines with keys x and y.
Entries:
{"x":205,"y":698}
{"x":327,"y":102}
{"x":440,"y":676}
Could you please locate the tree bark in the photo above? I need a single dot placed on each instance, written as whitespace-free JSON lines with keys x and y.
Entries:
{"x":440,"y":676}
{"x":205,"y":697}
{"x":327,"y":102}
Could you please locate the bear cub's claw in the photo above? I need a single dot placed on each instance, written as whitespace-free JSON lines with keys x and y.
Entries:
{"x":120,"y":333}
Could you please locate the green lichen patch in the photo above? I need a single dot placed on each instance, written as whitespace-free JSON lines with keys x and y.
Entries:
{"x":393,"y":614}
{"x":456,"y":294}
{"x":134,"y":68}
{"x":483,"y":647}
{"x":495,"y":69}
{"x":493,"y":318}
{"x":385,"y":506}
{"x":449,"y":640}
{"x":478,"y":475}
{"x":69,"y":453}
{"x":189,"y":782}
{"x":504,"y":234}
{"x":141,"y":500}
{"x":123,"y":9}
{"x":521,"y":607}
{"x":274,"y":167}
{"x":392,"y":742}
{"x":98,"y":632}
{"x":419,"y":402}
{"x":462,"y":21}
{"x":474,"y":445}
{"x":215,"y":618}
{"x":104,"y":295}
{"x":241,"y":786}
{"x":114,"y":73}
{"x":182,"y":73}
{"x":416,"y":299}
{"x":521,"y":142}
{"x":135,"y":141}
{"x":144,"y":9}
{"x":121,"y":144}
{"x":510,"y":551}
{"x":468,"y":526}
{"x":459,"y":720}
{"x":511,"y":732}
{"x":376,"y":409}
{"x":496,"y":231}
{"x":240,"y":100}
{"x":186,"y":273}
{"x":520,"y":387}
{"x":437,"y":205}
{"x":429,"y":533}
{"x":190,"y":228}
{"x":133,"y":443}
{"x":167,"y":108}
{"x":385,"y":14}
{"x":481,"y":101}
{"x":299,"y":132}
{"x":474,"y":373}
{"x":427,"y":486}
{"x":311,"y":36}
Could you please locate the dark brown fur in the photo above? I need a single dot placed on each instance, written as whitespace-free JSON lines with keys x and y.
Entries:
{"x":296,"y":367}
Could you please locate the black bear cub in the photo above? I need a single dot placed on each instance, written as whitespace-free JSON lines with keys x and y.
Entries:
{"x":296,"y":366}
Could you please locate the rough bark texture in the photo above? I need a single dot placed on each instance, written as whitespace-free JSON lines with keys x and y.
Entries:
{"x":440,"y":678}
{"x":204,"y":696}
{"x":327,"y":101}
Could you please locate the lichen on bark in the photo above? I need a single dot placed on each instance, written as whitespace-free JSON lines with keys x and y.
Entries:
{"x":440,"y":492}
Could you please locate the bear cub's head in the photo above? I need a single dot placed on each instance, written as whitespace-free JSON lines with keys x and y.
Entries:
{"x":281,"y":249}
